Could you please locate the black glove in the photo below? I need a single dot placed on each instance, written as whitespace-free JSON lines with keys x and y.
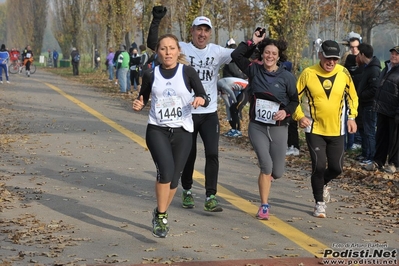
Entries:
{"x":261,"y":31}
{"x":159,"y":12}
{"x":396,"y":119}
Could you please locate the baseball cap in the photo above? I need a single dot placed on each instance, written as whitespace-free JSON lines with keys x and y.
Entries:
{"x":396,"y":49}
{"x":330,"y":49}
{"x":202,"y":21}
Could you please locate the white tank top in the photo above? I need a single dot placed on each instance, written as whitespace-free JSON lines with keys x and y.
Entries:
{"x":171,"y":101}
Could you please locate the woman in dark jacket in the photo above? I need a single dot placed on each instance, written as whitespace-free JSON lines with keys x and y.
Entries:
{"x":273,"y":98}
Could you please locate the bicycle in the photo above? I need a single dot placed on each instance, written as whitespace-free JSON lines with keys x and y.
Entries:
{"x":17,"y":67}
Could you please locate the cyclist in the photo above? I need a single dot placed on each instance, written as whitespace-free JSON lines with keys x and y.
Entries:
{"x":14,"y":55}
{"x":27,"y":57}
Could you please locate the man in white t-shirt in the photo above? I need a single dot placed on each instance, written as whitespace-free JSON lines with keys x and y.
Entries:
{"x":206,"y":58}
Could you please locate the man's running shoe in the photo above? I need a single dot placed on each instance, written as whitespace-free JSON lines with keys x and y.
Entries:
{"x":365,"y":162}
{"x":326,"y":194}
{"x":236,"y":133}
{"x":390,"y":168}
{"x":292,"y":151}
{"x":229,"y":133}
{"x":160,"y":226}
{"x":263,"y":212}
{"x":373,"y":166}
{"x":320,"y":210}
{"x":212,"y":204}
{"x":187,"y":199}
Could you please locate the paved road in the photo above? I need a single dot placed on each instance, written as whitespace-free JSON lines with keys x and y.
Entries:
{"x":82,"y":192}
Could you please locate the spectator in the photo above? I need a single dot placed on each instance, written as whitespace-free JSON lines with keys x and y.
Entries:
{"x":97,"y":58}
{"x":231,"y":69}
{"x":366,"y":91}
{"x":386,"y":104}
{"x":122,"y":67}
{"x":353,"y":141}
{"x":134,"y":66}
{"x":109,"y":62}
{"x":75,"y":58}
{"x":293,"y":136}
{"x":327,"y":86}
{"x":4,"y":59}
{"x":144,"y":59}
{"x":234,"y":94}
{"x":55,"y":58}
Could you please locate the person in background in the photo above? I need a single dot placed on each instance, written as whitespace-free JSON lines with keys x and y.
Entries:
{"x":4,"y":60}
{"x":144,"y":59}
{"x":353,"y":141}
{"x":328,"y":86}
{"x":75,"y":59}
{"x":97,"y":58}
{"x":386,"y":104}
{"x":109,"y":62}
{"x":169,"y":138}
{"x":273,"y":98}
{"x":231,"y":69}
{"x":14,"y":55}
{"x":293,"y":135}
{"x":234,"y":94}
{"x":122,"y":67}
{"x":55,"y":58}
{"x":366,"y":90}
{"x":27,"y":58}
{"x":206,"y":58}
{"x":134,"y":65}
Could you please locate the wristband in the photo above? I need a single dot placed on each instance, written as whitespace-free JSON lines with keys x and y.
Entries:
{"x":250,"y":43}
{"x":351,"y":118}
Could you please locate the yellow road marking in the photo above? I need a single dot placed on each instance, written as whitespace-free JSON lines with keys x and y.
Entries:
{"x":301,"y":239}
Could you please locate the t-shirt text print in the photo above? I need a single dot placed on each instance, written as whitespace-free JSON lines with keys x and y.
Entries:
{"x":207,"y":63}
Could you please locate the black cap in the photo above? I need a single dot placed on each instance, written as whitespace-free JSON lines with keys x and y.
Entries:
{"x":330,"y":49}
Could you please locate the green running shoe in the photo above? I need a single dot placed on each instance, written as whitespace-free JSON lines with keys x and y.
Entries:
{"x":160,"y":226}
{"x":212,"y":205}
{"x":188,"y":200}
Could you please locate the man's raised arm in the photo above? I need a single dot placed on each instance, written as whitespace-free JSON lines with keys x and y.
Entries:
{"x":158,"y":12}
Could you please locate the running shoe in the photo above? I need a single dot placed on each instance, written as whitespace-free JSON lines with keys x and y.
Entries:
{"x":320,"y":209}
{"x":187,"y":199}
{"x":390,"y":168}
{"x":292,"y":151}
{"x":212,"y":204}
{"x":1,"y":82}
{"x":326,"y":194}
{"x":263,"y":212}
{"x":8,"y":82}
{"x":160,"y":226}
{"x":229,"y":133}
{"x":373,"y":166}
{"x":237,"y":133}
